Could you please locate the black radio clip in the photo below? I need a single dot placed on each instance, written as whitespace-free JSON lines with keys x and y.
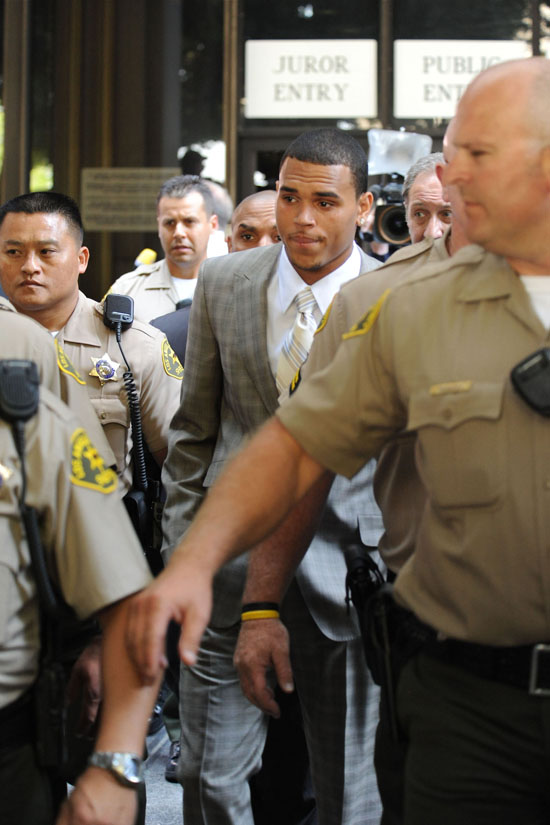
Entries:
{"x":531,"y":380}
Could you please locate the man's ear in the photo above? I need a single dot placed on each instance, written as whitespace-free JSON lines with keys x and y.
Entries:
{"x":83,"y":258}
{"x":213,"y":222}
{"x":364,"y":207}
{"x":229,"y":243}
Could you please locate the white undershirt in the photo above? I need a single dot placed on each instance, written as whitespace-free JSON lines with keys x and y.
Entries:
{"x":538,"y":289}
{"x":185,"y":287}
{"x":286,"y":284}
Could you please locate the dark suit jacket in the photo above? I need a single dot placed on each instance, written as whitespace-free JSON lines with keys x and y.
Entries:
{"x":174,"y":325}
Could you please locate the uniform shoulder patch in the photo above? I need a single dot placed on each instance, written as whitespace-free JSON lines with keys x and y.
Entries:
{"x":170,"y":361}
{"x":366,"y":322}
{"x":324,"y":319}
{"x":66,"y":365}
{"x":87,"y":466}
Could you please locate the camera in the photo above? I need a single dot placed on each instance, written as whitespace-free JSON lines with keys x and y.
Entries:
{"x":391,"y":154}
{"x":390,"y":223}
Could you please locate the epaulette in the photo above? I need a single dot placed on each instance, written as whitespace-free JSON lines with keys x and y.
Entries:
{"x":147,"y":269}
{"x":137,"y":324}
{"x":411,"y":251}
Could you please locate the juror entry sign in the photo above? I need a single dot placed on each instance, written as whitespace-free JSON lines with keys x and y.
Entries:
{"x":310,"y":78}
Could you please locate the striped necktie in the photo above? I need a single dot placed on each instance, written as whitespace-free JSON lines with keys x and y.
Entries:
{"x":298,"y":341}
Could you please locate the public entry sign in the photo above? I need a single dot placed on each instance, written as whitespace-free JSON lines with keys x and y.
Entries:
{"x":430,"y":76}
{"x":310,"y":78}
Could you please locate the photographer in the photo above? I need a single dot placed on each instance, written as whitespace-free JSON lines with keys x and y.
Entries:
{"x":411,"y":211}
{"x":427,"y":210}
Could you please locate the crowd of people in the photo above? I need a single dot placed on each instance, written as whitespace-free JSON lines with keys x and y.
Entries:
{"x":302,"y":400}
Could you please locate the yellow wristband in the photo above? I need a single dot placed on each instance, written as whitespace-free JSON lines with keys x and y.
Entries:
{"x":259,"y":614}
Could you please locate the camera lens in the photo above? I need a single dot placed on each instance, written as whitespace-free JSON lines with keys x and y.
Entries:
{"x":390,"y":225}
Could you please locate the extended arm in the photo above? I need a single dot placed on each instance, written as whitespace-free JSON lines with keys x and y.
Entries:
{"x":249,"y":500}
{"x":98,"y":799}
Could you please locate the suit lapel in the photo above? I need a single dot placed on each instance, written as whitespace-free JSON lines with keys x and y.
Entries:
{"x":251,"y":284}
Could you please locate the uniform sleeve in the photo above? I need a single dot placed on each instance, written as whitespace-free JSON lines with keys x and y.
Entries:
{"x":21,"y":337}
{"x":98,"y":558}
{"x":194,"y":428}
{"x":345,"y":413}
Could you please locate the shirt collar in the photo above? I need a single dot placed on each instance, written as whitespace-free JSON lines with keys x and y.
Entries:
{"x":290,"y":283}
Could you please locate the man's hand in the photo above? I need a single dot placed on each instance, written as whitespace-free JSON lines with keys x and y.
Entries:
{"x":84,"y":688}
{"x":182,"y":593}
{"x":98,"y":799}
{"x":263,"y":646}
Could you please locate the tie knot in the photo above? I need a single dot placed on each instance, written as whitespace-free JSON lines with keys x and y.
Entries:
{"x":305,"y":301}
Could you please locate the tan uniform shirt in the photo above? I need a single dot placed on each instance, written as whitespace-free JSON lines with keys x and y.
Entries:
{"x":152,"y":288}
{"x":156,"y":369}
{"x":88,"y":540}
{"x":21,"y":337}
{"x":434,"y":356}
{"x":398,"y":490}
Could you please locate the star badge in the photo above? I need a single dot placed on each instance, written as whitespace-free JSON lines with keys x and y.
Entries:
{"x":104,"y":368}
{"x":5,"y":473}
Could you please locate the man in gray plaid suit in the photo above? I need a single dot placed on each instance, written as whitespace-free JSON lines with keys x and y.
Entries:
{"x":244,"y":309}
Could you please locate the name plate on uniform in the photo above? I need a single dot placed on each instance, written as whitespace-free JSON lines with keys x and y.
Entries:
{"x":310,"y":78}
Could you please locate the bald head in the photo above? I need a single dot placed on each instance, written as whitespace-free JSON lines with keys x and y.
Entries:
{"x":498,"y":153}
{"x":253,"y":222}
{"x":528,"y":81}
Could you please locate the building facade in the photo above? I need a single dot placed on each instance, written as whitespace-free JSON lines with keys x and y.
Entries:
{"x":103,"y":99}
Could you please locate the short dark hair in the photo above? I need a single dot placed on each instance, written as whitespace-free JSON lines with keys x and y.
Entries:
{"x":181,"y":185}
{"x":52,"y":203}
{"x":331,"y":147}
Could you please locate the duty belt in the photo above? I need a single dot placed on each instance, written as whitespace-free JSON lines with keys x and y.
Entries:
{"x":526,"y":666}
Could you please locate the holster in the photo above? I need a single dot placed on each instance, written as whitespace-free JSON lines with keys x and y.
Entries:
{"x":50,"y":715}
{"x":145,"y":511}
{"x":390,"y":634}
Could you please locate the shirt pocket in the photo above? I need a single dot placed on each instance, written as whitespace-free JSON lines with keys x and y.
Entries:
{"x":114,"y":417}
{"x":461,"y":445}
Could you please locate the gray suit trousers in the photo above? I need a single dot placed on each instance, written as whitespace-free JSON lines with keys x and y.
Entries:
{"x":340,"y":708}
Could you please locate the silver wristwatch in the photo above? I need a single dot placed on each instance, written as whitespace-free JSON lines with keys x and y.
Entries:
{"x":127,"y":768}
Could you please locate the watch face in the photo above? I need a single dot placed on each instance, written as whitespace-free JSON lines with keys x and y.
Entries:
{"x":134,"y":767}
{"x":126,"y":767}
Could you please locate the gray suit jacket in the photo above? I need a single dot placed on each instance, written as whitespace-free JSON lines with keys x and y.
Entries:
{"x":228,"y":391}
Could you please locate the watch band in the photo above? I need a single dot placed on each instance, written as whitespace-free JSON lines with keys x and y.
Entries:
{"x":127,"y":768}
